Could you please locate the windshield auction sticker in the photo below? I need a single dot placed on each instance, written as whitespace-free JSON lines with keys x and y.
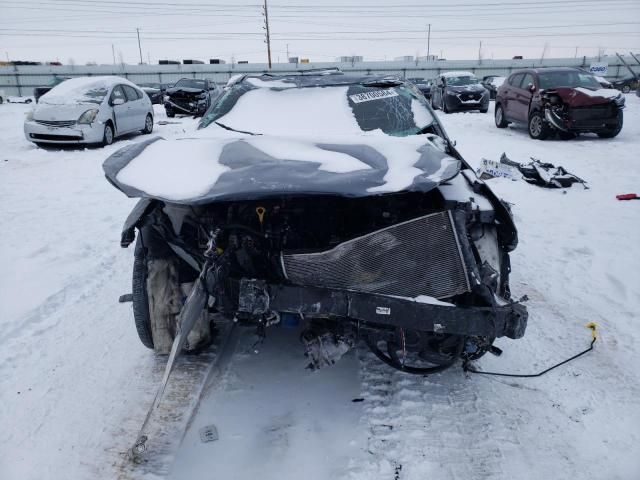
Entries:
{"x":375,"y":95}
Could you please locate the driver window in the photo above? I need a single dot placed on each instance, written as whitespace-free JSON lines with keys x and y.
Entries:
{"x":117,"y":93}
{"x":528,"y":79}
{"x":516,"y":80}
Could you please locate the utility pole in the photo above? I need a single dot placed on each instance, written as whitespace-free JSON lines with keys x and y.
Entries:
{"x":287,"y":52}
{"x":428,"y":41}
{"x":139,"y":47}
{"x":113,"y":54}
{"x":576,"y":54}
{"x":266,"y":28}
{"x":480,"y":53}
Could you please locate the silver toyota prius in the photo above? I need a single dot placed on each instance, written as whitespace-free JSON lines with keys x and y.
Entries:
{"x":89,"y":110}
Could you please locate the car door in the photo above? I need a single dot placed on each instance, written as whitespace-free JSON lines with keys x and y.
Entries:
{"x":137,"y":110}
{"x":522,"y":98}
{"x":508,"y":95}
{"x":118,"y":101}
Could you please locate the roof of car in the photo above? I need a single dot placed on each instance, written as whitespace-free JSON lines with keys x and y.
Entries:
{"x":317,"y":78}
{"x":457,"y":74}
{"x":549,"y":69}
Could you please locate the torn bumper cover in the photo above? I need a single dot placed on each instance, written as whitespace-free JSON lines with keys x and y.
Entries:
{"x":256,"y":297}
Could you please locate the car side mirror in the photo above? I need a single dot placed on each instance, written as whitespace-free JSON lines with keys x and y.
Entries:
{"x":117,"y":101}
{"x":531,"y":87}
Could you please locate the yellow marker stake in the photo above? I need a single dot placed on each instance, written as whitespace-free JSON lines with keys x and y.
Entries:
{"x":261,"y":211}
{"x":593,"y":326}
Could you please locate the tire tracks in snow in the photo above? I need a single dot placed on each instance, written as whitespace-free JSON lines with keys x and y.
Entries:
{"x":456,"y":426}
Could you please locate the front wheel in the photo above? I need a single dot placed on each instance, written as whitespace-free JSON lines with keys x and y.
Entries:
{"x":139,"y":294}
{"x":170,"y":112}
{"x":501,"y":122}
{"x":484,"y":110}
{"x":107,"y":138}
{"x":538,"y":127}
{"x":614,"y":131}
{"x":148,"y":124}
{"x":626,"y":89}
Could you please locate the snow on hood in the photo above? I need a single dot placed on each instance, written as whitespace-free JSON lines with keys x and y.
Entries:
{"x":82,"y":90}
{"x":602,"y":92}
{"x":472,"y":87}
{"x":581,"y":97}
{"x":48,"y":112}
{"x":233,"y":166}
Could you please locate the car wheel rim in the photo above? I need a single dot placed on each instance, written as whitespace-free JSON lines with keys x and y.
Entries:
{"x":536,"y":126}
{"x":499,"y":115}
{"x":108,"y":135}
{"x":149,"y":124}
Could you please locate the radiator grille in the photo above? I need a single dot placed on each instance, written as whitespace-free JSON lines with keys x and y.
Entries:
{"x":417,"y":257}
{"x":57,"y":123}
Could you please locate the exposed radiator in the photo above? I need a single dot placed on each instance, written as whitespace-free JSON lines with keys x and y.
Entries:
{"x":417,"y":257}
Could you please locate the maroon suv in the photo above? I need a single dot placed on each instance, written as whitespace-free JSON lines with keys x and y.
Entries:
{"x":567,"y":101}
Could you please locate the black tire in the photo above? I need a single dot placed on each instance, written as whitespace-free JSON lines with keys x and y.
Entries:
{"x":484,"y":110}
{"x":148,"y":124}
{"x":140,"y":299}
{"x":538,"y":127}
{"x":615,"y":131}
{"x":626,"y":89}
{"x":1,"y":100}
{"x":501,"y":122}
{"x":28,"y":100}
{"x":170,"y":112}
{"x":108,"y":136}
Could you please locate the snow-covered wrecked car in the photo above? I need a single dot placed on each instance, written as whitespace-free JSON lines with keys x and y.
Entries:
{"x":189,"y":96}
{"x":333,"y":198}
{"x":563,"y":100}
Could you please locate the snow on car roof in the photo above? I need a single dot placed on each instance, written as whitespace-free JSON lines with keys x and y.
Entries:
{"x":457,"y":74}
{"x":81,"y":89}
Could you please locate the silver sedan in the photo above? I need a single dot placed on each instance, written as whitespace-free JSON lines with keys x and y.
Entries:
{"x":89,"y":110}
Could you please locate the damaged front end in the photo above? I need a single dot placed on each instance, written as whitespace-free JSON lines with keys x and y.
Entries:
{"x":189,"y":101}
{"x":422,"y":278}
{"x":574,"y":111}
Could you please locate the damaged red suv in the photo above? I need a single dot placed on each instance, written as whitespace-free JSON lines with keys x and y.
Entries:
{"x":561,"y":100}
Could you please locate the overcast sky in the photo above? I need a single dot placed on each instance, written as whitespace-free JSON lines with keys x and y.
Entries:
{"x":86,"y":30}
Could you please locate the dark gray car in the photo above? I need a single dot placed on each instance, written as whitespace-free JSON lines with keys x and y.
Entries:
{"x":459,"y":91}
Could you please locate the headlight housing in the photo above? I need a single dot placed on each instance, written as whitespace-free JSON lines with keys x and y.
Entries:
{"x":453,"y":94}
{"x":88,"y":117}
{"x":202,"y":96}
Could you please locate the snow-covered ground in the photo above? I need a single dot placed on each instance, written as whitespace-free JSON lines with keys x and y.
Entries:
{"x":75,"y":382}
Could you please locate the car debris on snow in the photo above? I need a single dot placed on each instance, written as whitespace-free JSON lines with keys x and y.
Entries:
{"x":535,"y":172}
